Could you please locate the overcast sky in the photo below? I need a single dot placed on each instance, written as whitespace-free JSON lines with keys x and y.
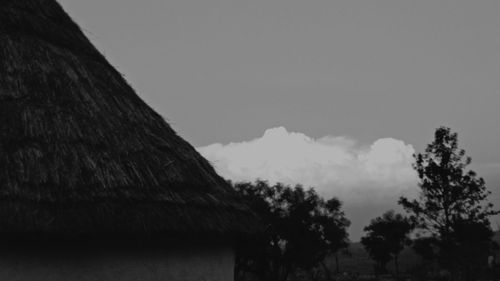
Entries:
{"x":363,"y":82}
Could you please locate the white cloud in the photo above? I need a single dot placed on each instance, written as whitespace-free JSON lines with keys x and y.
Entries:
{"x":335,"y":166}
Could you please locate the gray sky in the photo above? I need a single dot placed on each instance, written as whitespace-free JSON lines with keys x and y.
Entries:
{"x":226,"y":70}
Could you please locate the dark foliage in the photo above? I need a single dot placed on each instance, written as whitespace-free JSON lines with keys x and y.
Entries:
{"x":426,"y":247}
{"x":452,"y":210}
{"x":302,"y":229}
{"x":386,"y":237}
{"x":81,"y":154}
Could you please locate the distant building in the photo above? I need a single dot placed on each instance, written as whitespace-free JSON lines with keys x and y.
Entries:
{"x":95,"y":185}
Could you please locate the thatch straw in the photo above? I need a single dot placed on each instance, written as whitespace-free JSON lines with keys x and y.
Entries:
{"x":81,"y":153}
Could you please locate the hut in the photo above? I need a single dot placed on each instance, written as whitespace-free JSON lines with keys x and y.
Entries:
{"x":94,"y":184}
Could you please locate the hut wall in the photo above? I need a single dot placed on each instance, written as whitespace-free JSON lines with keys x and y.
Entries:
{"x":212,"y":263}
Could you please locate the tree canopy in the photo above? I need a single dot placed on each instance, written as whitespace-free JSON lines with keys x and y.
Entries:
{"x":452,"y":209}
{"x":386,"y":237}
{"x":302,"y":229}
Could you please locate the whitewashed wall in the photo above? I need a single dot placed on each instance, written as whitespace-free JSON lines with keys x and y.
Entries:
{"x":190,"y":263}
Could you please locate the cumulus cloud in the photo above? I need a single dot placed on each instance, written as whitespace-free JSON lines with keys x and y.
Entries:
{"x":335,"y":166}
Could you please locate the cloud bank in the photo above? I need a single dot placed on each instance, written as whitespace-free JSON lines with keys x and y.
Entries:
{"x":335,"y":166}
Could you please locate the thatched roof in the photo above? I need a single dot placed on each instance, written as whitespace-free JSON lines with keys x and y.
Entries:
{"x":81,"y":154}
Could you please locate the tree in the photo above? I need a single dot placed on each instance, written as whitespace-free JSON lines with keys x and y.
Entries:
{"x":334,"y":232}
{"x":386,"y":237}
{"x":425,"y":247}
{"x":302,"y":228}
{"x":452,"y":202}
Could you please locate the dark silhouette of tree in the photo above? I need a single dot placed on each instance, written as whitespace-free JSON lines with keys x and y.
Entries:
{"x":425,"y":247}
{"x":334,"y":232}
{"x":452,"y":207}
{"x":302,"y":228}
{"x":385,"y":239}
